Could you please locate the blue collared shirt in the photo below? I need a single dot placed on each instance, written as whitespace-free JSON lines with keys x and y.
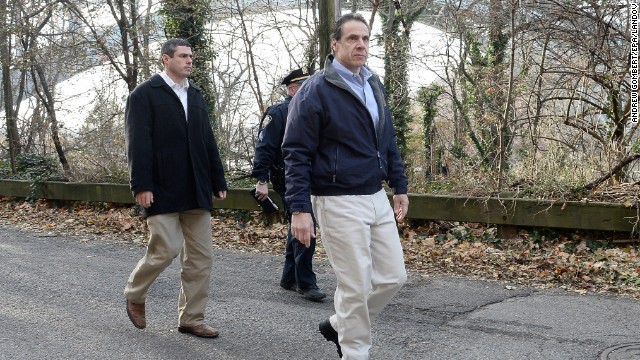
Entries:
{"x":360,"y":85}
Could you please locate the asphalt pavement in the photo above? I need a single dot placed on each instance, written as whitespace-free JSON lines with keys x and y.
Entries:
{"x":61,"y":298}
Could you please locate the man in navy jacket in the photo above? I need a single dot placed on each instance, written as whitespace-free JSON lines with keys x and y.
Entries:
{"x":297,"y":273}
{"x":175,"y":168}
{"x":339,"y":146}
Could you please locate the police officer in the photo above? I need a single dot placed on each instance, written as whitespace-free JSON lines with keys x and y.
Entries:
{"x":268,"y":165}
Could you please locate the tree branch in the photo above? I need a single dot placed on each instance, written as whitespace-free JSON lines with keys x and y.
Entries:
{"x":615,"y":170}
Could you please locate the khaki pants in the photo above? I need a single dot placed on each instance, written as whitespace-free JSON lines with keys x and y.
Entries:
{"x":187,"y":234}
{"x":361,"y":239}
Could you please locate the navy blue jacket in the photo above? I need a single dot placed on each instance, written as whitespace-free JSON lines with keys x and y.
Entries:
{"x":330,"y":144}
{"x":177,"y":160}
{"x":268,"y":163}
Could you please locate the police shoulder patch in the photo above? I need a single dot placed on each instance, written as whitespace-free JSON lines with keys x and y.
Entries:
{"x":266,"y":121}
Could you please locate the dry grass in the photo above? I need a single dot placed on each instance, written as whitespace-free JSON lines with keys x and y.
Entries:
{"x":581,"y":262}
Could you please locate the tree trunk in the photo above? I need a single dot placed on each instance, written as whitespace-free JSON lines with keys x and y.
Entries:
{"x":615,"y":170}
{"x":13,"y":137}
{"x":45,"y":95}
{"x":505,"y":116}
{"x":146,"y":68}
{"x":327,"y":15}
{"x":251,"y":57}
{"x":127,"y":30}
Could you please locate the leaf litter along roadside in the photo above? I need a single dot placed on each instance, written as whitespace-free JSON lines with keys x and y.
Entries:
{"x":583,"y":263}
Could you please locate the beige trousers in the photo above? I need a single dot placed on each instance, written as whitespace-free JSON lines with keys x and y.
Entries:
{"x":361,"y":239}
{"x":187,"y":234}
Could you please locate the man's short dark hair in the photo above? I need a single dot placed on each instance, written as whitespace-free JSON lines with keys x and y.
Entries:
{"x":337,"y":27}
{"x":171,"y":46}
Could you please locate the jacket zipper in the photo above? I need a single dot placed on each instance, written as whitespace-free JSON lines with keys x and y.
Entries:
{"x":377,"y":138}
{"x":335,"y":168}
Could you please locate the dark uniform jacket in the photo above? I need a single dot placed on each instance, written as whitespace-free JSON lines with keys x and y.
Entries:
{"x":330,"y":144}
{"x":177,"y":160}
{"x":268,"y":163}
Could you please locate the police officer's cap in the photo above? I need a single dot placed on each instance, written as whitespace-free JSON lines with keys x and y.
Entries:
{"x":297,"y":75}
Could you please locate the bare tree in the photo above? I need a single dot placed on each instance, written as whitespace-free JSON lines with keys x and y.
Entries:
{"x":99,"y":155}
{"x":398,"y":21}
{"x":586,"y":57}
{"x":35,"y":22}
{"x":7,"y":23}
{"x":262,"y":43}
{"x":508,"y":106}
{"x":525,"y":88}
{"x":543,"y":85}
{"x":248,"y":43}
{"x":475,"y":76}
{"x":124,"y":48}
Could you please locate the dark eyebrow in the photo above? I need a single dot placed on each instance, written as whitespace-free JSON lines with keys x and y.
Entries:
{"x":356,"y":36}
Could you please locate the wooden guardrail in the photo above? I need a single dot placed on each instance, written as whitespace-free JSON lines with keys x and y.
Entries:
{"x":499,"y":211}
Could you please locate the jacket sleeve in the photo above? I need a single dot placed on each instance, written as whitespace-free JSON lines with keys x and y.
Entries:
{"x":301,"y":138}
{"x":396,"y":178}
{"x":218,"y":181}
{"x":138,"y":130}
{"x":269,"y":143}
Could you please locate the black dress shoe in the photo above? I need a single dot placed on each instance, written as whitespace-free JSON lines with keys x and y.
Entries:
{"x":288,"y":286}
{"x":330,"y":334}
{"x":312,"y":293}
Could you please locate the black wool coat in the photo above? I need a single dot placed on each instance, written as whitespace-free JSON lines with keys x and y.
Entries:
{"x":176,"y":159}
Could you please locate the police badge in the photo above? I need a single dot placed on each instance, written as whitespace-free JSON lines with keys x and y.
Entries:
{"x":266,"y":121}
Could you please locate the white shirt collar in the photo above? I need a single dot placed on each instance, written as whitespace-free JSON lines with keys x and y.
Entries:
{"x":171,"y":83}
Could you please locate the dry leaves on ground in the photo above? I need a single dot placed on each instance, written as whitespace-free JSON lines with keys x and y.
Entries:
{"x":579,"y":263}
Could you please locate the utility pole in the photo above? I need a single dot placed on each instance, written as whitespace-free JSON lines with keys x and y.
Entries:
{"x":330,"y":11}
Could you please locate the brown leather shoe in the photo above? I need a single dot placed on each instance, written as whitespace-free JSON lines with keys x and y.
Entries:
{"x":203,"y":330}
{"x":136,"y":314}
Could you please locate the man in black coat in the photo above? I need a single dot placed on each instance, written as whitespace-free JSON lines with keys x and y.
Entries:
{"x":175,"y":167}
{"x":268,"y":164}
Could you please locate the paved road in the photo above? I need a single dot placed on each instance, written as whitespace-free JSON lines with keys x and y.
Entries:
{"x":61,"y":298}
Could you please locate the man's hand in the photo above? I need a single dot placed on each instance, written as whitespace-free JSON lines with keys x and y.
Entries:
{"x":262,"y":191}
{"x":144,"y":199}
{"x":221,"y":195}
{"x":400,"y":206}
{"x":302,"y":228}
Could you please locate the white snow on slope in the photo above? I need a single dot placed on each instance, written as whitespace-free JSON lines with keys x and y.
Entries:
{"x":277,"y":51}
